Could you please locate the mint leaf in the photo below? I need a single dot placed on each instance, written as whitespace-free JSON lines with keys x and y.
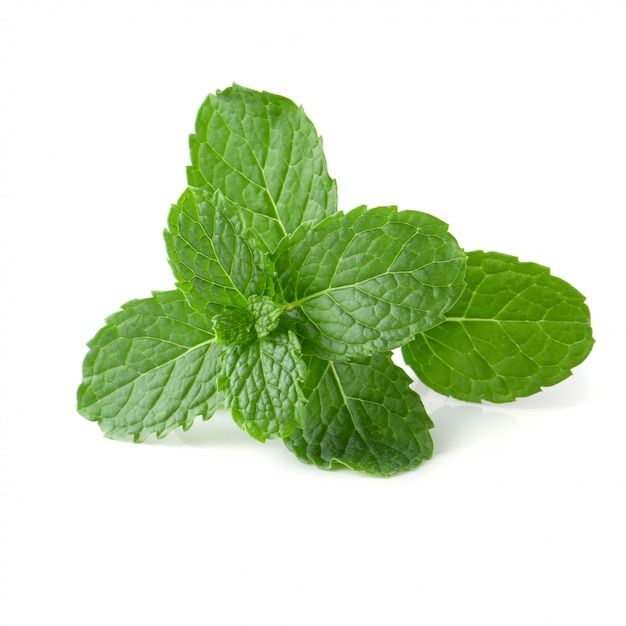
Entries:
{"x":153,"y":367}
{"x":238,"y":326}
{"x":363,"y":416}
{"x":266,"y":314}
{"x":515,"y":330}
{"x":233,"y":326}
{"x":368,"y":280}
{"x":261,"y":381}
{"x":264,"y":154}
{"x":217,"y":261}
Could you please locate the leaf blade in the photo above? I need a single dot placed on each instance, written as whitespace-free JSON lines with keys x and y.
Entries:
{"x":215,"y":257}
{"x":368,"y":280}
{"x":264,"y":154}
{"x":261,"y":381}
{"x":363,"y":416}
{"x":515,"y":330}
{"x":153,"y":367}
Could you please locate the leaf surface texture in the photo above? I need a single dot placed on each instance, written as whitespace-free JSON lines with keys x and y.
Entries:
{"x":515,"y":329}
{"x":216,"y":259}
{"x":363,"y":416}
{"x":153,"y":367}
{"x":368,"y":280}
{"x":264,"y":154}
{"x":262,"y":383}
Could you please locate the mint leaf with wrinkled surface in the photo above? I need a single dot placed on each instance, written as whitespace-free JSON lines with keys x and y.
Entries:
{"x":266,"y":314}
{"x":363,"y":416}
{"x":236,"y":326}
{"x":262,"y":384}
{"x":152,"y":368}
{"x":233,"y":326}
{"x":215,"y":257}
{"x":368,"y":280}
{"x":263,"y":153}
{"x":515,"y":329}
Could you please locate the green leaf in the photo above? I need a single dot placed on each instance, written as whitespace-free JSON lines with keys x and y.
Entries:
{"x":264,"y":154}
{"x":363,"y":416}
{"x":266,"y":314}
{"x":515,"y":330}
{"x":238,"y":326}
{"x":262,"y":384}
{"x":153,"y":367}
{"x":233,"y":326}
{"x":217,"y":261}
{"x":368,"y":280}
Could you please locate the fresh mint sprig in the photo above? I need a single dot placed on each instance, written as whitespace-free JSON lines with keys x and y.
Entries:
{"x":285,"y":311}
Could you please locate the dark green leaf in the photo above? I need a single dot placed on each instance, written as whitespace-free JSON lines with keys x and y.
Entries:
{"x":363,"y":416}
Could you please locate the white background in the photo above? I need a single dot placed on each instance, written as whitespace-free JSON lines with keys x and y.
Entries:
{"x":506,"y":119}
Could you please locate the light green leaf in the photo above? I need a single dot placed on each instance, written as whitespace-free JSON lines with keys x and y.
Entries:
{"x":515,"y":330}
{"x":233,"y":326}
{"x":266,"y":314}
{"x":216,"y":259}
{"x":363,"y":416}
{"x":153,"y":367}
{"x":263,"y":153}
{"x":238,"y":326}
{"x":368,"y":280}
{"x":261,"y":381}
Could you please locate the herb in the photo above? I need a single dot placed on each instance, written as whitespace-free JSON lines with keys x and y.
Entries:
{"x":368,"y":280}
{"x":285,"y":311}
{"x":263,"y":153}
{"x":215,"y":256}
{"x":514,"y":330}
{"x":362,"y":415}
{"x":261,"y":381}
{"x":152,"y":368}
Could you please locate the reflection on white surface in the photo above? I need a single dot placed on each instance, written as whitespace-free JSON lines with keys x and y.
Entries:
{"x":458,"y":424}
{"x":461,"y":424}
{"x":570,"y":393}
{"x":220,"y":430}
{"x":459,"y":427}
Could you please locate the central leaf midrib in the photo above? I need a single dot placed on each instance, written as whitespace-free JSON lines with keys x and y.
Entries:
{"x":331,"y":365}
{"x":256,"y":160}
{"x":216,"y":256}
{"x":510,"y":321}
{"x":151,"y":370}
{"x":323,"y":292}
